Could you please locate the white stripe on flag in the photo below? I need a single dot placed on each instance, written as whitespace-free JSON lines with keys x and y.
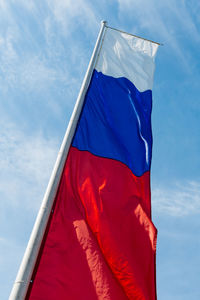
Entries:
{"x":123,"y":55}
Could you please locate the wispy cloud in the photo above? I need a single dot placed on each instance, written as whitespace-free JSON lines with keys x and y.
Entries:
{"x":25,"y":163}
{"x":37,"y":43}
{"x":179,"y":200}
{"x":165,"y":21}
{"x":69,"y":13}
{"x":10,"y":256}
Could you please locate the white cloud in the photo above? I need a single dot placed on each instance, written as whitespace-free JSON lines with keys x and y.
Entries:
{"x":36,"y":59}
{"x":70,"y":12}
{"x":179,"y":200}
{"x":29,"y":5}
{"x":28,"y":73}
{"x":10,"y":256}
{"x":36,"y":74}
{"x":3,"y":5}
{"x":165,"y":21}
{"x":25,"y":163}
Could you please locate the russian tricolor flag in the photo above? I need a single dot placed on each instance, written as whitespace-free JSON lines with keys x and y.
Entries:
{"x":100,"y":241}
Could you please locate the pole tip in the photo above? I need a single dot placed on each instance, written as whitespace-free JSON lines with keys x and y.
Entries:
{"x":104,"y":22}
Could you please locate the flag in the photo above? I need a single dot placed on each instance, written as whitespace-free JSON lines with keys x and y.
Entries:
{"x":100,"y":241}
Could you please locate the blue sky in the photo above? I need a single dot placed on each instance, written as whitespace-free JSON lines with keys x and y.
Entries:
{"x":45,"y":47}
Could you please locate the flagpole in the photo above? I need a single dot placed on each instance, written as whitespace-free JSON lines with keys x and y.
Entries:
{"x":23,"y":278}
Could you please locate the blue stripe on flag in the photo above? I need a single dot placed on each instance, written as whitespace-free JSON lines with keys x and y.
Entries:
{"x":116,"y":122}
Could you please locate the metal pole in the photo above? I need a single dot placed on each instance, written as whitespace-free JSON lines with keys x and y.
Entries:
{"x":23,"y":278}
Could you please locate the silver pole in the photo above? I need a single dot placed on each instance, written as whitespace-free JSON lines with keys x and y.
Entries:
{"x":23,"y":278}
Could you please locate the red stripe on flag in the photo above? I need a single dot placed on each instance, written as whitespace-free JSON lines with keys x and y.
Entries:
{"x":100,"y":242}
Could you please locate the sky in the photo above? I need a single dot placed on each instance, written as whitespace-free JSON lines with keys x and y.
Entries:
{"x":45,"y":47}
